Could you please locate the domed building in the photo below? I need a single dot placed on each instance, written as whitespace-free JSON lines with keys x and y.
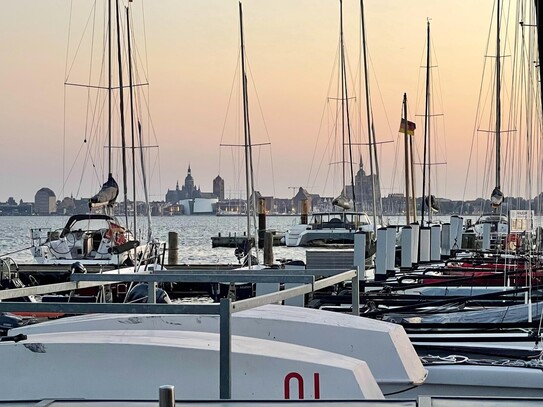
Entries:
{"x":45,"y":202}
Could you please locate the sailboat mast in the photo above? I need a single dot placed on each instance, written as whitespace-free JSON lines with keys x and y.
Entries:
{"x":341,"y":59}
{"x":246,"y":130}
{"x":498,"y":98}
{"x":406,"y":150}
{"x":346,"y":121}
{"x":539,"y":45}
{"x":109,"y":89}
{"x":426,"y":160}
{"x":121,"y":102}
{"x":131,"y":88}
{"x":371,"y":133}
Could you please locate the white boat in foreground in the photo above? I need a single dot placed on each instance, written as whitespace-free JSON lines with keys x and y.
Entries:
{"x":133,"y":364}
{"x":383,"y":346}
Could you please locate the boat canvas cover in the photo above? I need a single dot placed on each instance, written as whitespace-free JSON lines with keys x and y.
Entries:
{"x":513,"y":313}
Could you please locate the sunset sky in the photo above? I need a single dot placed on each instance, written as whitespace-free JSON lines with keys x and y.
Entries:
{"x":192,"y":54}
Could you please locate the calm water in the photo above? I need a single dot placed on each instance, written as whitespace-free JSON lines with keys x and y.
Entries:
{"x":195,"y":234}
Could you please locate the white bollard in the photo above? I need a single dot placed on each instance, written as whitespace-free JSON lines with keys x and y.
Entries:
{"x":407,"y":247}
{"x":424,"y":244}
{"x":435,"y":243}
{"x":455,"y":243}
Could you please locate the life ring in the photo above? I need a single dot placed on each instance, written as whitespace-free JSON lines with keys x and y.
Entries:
{"x":512,"y":242}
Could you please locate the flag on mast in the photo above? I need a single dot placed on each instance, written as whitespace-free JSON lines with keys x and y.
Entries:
{"x":410,"y":127}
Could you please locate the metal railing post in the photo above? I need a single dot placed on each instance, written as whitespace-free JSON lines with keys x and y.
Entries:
{"x":356,"y":292}
{"x":166,"y":396}
{"x":225,"y":368}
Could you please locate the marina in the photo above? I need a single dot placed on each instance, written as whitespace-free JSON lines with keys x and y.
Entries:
{"x":335,"y":302}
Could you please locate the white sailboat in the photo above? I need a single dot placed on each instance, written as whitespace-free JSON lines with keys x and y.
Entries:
{"x":98,"y":237}
{"x":340,"y":225}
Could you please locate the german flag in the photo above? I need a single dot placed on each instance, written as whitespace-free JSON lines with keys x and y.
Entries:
{"x":410,"y":127}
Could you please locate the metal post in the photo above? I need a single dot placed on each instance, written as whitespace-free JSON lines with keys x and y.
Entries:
{"x":151,"y":295}
{"x":166,"y":396}
{"x":380,"y":256}
{"x":415,"y":242}
{"x":356,"y":293}
{"x":446,"y":240}
{"x":225,"y":350}
{"x":360,"y":254}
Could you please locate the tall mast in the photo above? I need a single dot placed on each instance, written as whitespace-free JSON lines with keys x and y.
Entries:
{"x":406,"y":149}
{"x":345,"y":120}
{"x":371,"y":133}
{"x":121,"y":102}
{"x":498,"y":98}
{"x":539,"y":45}
{"x":247,"y":132}
{"x":426,"y":160}
{"x":497,"y":195}
{"x":131,"y":88}
{"x":109,"y":89}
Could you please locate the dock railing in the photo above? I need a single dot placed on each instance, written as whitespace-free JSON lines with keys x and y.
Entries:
{"x":307,"y":279}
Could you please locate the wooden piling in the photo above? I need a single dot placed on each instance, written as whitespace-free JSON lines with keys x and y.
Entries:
{"x":305,"y":210}
{"x":268,"y":248}
{"x":173,"y":248}
{"x":261,"y":221}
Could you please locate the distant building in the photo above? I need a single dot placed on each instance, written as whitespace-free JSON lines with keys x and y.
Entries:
{"x":11,"y":208}
{"x":363,"y":187}
{"x":187,"y":191}
{"x":45,"y":202}
{"x":218,"y":188}
{"x":190,"y":200}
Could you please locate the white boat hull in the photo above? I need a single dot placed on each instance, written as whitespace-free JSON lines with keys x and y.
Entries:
{"x":132,"y":365}
{"x":383,"y":346}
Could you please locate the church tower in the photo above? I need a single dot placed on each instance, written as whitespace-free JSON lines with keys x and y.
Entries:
{"x":189,"y":184}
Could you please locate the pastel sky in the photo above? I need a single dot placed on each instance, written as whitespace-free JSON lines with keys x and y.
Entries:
{"x":192,"y":53}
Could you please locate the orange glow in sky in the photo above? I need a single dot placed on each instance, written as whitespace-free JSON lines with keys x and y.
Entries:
{"x":191,"y":50}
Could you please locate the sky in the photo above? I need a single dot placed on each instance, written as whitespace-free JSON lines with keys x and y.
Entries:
{"x":190,"y":51}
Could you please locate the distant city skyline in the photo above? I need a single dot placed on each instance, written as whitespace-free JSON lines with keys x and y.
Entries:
{"x":189,"y":57}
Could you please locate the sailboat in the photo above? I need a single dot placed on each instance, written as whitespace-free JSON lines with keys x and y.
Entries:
{"x":340,"y":225}
{"x":98,"y":237}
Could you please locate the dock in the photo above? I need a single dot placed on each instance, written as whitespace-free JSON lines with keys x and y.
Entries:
{"x":241,"y":240}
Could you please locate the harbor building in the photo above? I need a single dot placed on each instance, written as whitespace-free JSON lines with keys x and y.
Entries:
{"x":218,"y":188}
{"x":45,"y":202}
